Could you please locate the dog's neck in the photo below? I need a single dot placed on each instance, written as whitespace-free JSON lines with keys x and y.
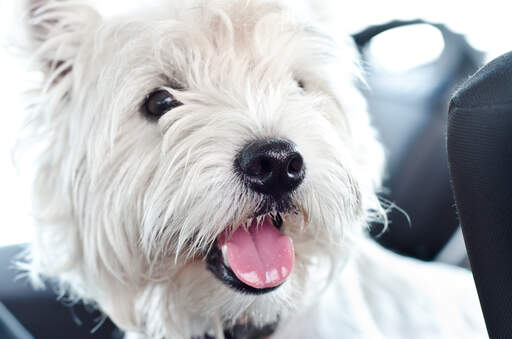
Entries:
{"x":247,"y":331}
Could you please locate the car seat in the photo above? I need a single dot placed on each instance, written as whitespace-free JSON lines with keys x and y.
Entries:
{"x":480,"y":156}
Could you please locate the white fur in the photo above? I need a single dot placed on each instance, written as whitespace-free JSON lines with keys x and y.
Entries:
{"x":126,"y":206}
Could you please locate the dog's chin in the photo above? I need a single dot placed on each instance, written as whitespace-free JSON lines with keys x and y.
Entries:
{"x":262,"y":252}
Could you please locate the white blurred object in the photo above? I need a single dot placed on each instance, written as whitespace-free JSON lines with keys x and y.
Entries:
{"x":14,"y":197}
{"x":418,"y":44}
{"x":454,"y":252}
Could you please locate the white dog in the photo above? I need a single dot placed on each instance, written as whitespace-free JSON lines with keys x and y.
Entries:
{"x":208,"y":169}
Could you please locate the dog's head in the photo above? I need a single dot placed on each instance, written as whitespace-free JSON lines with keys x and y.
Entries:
{"x":204,"y":164}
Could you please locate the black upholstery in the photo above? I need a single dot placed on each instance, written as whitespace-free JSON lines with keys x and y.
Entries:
{"x":409,"y":110}
{"x":10,"y":328}
{"x":480,"y":156}
{"x":41,"y":313}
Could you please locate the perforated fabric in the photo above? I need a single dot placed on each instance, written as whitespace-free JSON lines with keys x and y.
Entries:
{"x":480,"y":156}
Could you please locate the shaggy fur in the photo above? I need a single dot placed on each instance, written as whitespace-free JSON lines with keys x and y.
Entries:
{"x":127,"y":207}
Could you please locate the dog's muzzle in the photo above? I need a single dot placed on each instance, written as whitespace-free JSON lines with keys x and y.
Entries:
{"x":256,"y":257}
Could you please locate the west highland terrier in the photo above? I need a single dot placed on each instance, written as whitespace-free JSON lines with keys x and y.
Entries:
{"x":208,"y":170}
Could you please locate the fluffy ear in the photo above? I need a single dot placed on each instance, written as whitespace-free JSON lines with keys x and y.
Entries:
{"x":54,"y":31}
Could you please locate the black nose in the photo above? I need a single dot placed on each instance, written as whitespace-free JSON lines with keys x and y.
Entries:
{"x":271,"y":166}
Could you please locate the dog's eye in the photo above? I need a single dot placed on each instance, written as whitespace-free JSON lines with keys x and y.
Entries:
{"x":300,"y":83}
{"x":159,"y":102}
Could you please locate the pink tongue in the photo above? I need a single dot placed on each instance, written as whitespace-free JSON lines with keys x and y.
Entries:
{"x":261,"y":257}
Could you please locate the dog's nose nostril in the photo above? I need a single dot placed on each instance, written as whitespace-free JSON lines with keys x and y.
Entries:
{"x":271,"y":166}
{"x":259,"y":167}
{"x":295,"y":165}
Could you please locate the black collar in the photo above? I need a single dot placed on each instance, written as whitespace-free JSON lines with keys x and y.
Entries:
{"x":247,"y":331}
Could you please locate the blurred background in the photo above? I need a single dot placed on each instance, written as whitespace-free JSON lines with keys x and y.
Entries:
{"x":414,"y":54}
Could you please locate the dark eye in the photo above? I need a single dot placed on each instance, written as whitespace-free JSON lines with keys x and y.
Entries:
{"x":159,"y":102}
{"x":300,"y":83}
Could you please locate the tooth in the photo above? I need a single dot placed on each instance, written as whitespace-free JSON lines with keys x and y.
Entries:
{"x":224,"y":250}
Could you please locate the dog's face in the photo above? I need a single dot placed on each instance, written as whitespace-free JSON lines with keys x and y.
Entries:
{"x":205,"y":165}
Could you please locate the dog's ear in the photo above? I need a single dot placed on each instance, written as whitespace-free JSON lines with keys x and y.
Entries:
{"x":54,"y":31}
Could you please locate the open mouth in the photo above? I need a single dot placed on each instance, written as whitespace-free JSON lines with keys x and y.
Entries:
{"x":256,"y":259}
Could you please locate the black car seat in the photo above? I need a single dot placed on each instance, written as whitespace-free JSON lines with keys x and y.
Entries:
{"x":409,"y":109}
{"x":480,"y":156}
{"x":10,"y":327}
{"x":39,"y":311}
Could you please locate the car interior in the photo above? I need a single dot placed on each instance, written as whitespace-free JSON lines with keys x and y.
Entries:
{"x":479,"y":147}
{"x":434,"y":141}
